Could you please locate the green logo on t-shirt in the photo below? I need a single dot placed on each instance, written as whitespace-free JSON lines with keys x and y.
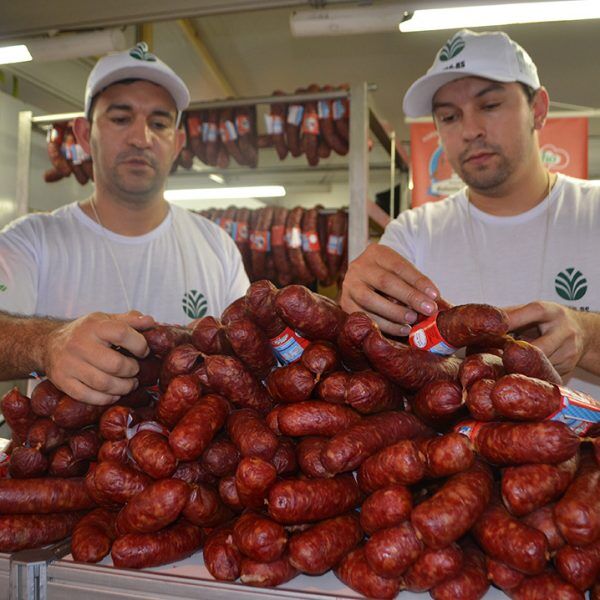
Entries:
{"x":3,"y":288}
{"x":570,"y":284}
{"x":194,"y":304}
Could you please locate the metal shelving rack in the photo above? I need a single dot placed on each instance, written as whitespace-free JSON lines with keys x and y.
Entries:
{"x":363,"y":117}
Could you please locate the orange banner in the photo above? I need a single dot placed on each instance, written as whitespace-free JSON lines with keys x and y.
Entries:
{"x":563,"y":145}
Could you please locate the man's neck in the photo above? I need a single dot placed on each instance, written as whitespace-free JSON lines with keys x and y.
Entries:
{"x":515,"y":197}
{"x":125,"y":218}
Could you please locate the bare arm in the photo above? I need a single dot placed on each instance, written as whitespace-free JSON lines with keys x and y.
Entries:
{"x":78,"y":356}
{"x":379,"y":272}
{"x":569,"y":338}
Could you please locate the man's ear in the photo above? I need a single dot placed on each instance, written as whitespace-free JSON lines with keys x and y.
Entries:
{"x":81,"y":129}
{"x":540,"y":106}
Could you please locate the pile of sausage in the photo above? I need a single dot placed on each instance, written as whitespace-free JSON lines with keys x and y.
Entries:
{"x":299,"y":246}
{"x":288,"y":437}
{"x":66,"y":155}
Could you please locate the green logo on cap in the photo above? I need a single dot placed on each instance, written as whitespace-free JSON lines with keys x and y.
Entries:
{"x":140,"y":52}
{"x":452,"y":48}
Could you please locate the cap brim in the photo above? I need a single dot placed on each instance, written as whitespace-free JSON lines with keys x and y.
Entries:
{"x":418,"y":100}
{"x":172,"y":84}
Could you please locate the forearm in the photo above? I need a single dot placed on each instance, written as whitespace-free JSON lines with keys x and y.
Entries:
{"x":23,"y":344}
{"x":590,"y":325}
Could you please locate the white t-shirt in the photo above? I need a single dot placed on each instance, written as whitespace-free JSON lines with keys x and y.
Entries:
{"x":550,"y":252}
{"x":60,"y":265}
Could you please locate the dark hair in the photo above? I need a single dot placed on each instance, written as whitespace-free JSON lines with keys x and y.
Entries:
{"x":528,"y":91}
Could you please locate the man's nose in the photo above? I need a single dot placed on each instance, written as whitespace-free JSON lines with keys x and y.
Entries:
{"x":472,"y":125}
{"x":140,"y":134}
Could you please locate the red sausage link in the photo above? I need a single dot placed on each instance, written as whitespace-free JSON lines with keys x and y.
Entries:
{"x":452,"y":510}
{"x":471,"y":582}
{"x":271,"y":574}
{"x":119,"y":483}
{"x":478,"y":399}
{"x":93,"y":536}
{"x":577,"y":514}
{"x":506,"y":539}
{"x":521,"y":443}
{"x":115,"y":421}
{"x":385,"y":508}
{"x":479,"y":366}
{"x":25,"y":463}
{"x":278,"y":249}
{"x":153,"y":454}
{"x":528,"y":487}
{"x":141,"y":550}
{"x":228,"y":376}
{"x":543,"y":520}
{"x":45,"y":435}
{"x":349,"y":448}
{"x":522,"y":357}
{"x":181,"y":360}
{"x":250,"y":433}
{"x":85,"y":444}
{"x":400,"y":463}
{"x":44,"y":398}
{"x":16,"y":409}
{"x":520,"y":397}
{"x":196,"y":429}
{"x":253,"y":479}
{"x":311,"y":245}
{"x":432,"y":568}
{"x":545,"y":586}
{"x":314,"y":316}
{"x":155,"y":507}
{"x":208,"y":335}
{"x":447,"y":454}
{"x":408,"y":367}
{"x":221,"y":556}
{"x":502,"y":576}
{"x":301,"y":501}
{"x":321,"y":547}
{"x":579,"y":566}
{"x":259,"y":538}
{"x":205,"y":508}
{"x":293,"y":383}
{"x":260,"y":304}
{"x":116,"y":451}
{"x":251,"y":346}
{"x":284,"y":460}
{"x":163,"y":338}
{"x":355,"y":572}
{"x":71,"y":414}
{"x":309,"y":452}
{"x":21,"y":532}
{"x":221,"y":458}
{"x":315,"y":418}
{"x":293,"y":244}
{"x":182,"y":393}
{"x":472,"y":324}
{"x":391,"y":551}
{"x":320,"y":358}
{"x":63,"y":464}
{"x":354,"y":331}
{"x":438,"y":401}
{"x":229,"y":494}
{"x":193,"y":472}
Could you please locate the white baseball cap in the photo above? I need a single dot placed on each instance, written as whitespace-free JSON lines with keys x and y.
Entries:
{"x":491,"y":55}
{"x":135,"y":63}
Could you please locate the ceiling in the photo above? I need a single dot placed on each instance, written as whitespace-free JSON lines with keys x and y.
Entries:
{"x":244,"y":48}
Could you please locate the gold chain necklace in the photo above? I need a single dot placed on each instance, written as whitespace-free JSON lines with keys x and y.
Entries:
{"x":475,"y":254}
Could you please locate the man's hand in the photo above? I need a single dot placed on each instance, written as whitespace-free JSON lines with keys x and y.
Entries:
{"x":379,"y":272}
{"x":563,"y":336}
{"x":80,"y":356}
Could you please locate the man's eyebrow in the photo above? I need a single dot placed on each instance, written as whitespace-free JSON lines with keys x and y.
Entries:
{"x":157,"y":112}
{"x":494,"y":86}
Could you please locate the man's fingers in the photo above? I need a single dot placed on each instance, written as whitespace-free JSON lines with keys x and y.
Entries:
{"x":79,"y":391}
{"x":117,"y":332}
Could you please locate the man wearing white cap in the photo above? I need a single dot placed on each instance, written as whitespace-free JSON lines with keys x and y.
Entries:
{"x":516,"y":235}
{"x":124,"y":251}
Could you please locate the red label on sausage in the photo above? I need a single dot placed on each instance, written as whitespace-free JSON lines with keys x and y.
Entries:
{"x":469,"y":429}
{"x":240,"y":231}
{"x":242,"y":123}
{"x":277,"y":235}
{"x":288,"y":346}
{"x":310,"y":242}
{"x":579,"y":411}
{"x":426,"y":336}
{"x":227,"y":131}
{"x":311,"y":123}
{"x":227,"y":225}
{"x":260,"y":241}
{"x":194,"y":126}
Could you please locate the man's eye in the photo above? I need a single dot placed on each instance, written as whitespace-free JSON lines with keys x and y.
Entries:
{"x":119,"y":120}
{"x":491,"y":105}
{"x":159,"y":125}
{"x":446,"y":118}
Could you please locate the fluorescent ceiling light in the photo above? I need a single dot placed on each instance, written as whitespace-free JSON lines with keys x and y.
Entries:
{"x":221,"y":203}
{"x":500,"y":14}
{"x":228,"y":193}
{"x":65,"y":46}
{"x":14,"y":54}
